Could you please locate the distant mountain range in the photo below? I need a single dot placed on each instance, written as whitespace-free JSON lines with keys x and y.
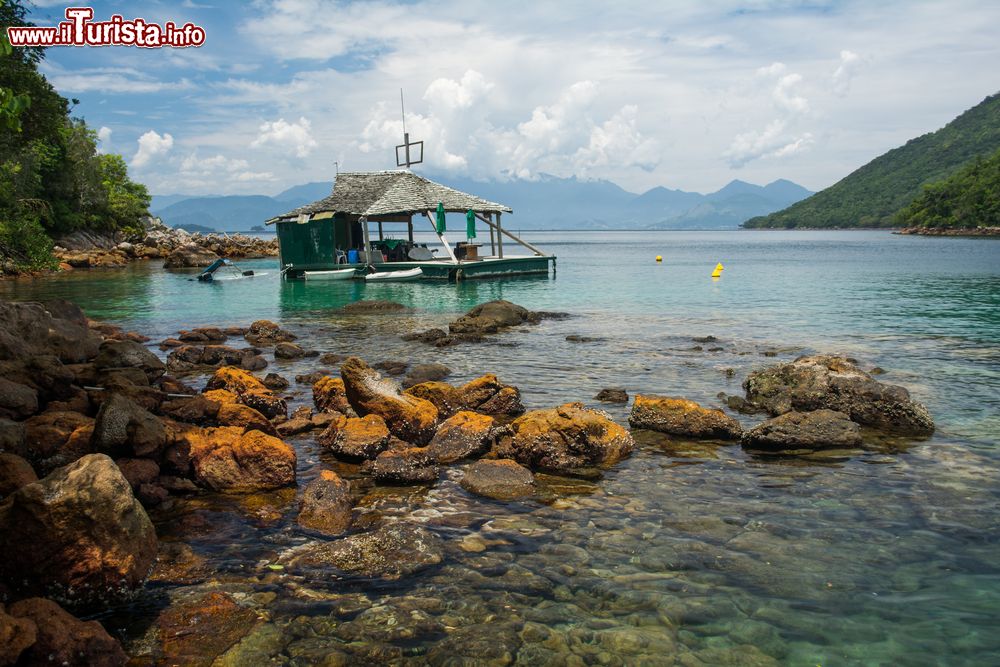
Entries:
{"x":873,"y":195}
{"x":546,"y":203}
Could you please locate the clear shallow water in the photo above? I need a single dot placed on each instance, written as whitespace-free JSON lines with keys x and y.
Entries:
{"x":886,"y":556}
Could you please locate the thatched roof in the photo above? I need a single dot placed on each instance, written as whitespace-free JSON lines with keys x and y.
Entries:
{"x":391,"y":193}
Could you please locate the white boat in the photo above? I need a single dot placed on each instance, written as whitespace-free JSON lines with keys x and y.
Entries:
{"x":386,"y":276}
{"x":336,"y":274}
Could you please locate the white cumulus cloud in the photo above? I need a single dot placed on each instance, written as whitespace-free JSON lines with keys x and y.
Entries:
{"x":850,"y":64}
{"x":286,"y":135}
{"x":103,"y":139}
{"x":151,"y":145}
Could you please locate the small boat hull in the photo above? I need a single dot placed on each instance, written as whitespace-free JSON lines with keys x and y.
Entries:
{"x":338,"y":274}
{"x":394,"y":276}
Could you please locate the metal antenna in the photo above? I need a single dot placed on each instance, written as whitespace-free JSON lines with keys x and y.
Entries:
{"x":407,"y":159}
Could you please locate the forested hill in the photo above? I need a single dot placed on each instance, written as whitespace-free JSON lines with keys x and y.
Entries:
{"x":874,"y":194}
{"x":968,"y":199}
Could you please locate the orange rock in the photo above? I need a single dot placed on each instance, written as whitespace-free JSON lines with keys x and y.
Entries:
{"x":63,"y":639}
{"x":486,"y":395}
{"x":563,"y":438}
{"x":196,"y":632}
{"x":356,"y":438}
{"x":245,"y":417}
{"x":249,"y":391}
{"x":681,"y":417}
{"x":56,"y":438}
{"x":408,"y":417}
{"x":227,"y":459}
{"x":462,"y":435}
{"x":329,"y":395}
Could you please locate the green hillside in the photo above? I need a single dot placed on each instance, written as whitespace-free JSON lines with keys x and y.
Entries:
{"x":967,"y":199}
{"x":875,"y":193}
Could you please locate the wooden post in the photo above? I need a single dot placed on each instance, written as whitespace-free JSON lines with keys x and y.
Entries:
{"x":380,"y":237}
{"x":364,"y":232}
{"x":493,"y":244}
{"x":499,"y":236}
{"x":430,"y":218}
{"x":409,"y":229}
{"x":512,"y":236}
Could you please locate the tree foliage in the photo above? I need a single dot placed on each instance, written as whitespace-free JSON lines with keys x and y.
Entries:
{"x":875,"y":193}
{"x":53,"y":181}
{"x":968,"y":199}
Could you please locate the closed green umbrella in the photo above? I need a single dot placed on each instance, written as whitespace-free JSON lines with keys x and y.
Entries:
{"x":470,"y":224}
{"x":440,"y":218}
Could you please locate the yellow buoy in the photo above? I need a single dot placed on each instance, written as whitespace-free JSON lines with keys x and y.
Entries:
{"x":718,"y":270}
{"x":659,"y":258}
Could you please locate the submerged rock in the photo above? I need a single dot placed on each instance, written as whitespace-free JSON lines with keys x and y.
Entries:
{"x":485,"y":395}
{"x":563,"y":438}
{"x":286,"y":350}
{"x":431,"y":372}
{"x":612,"y":395}
{"x":267,"y":333}
{"x":326,"y":505}
{"x":408,"y":417}
{"x":462,"y":435}
{"x":500,"y":479}
{"x":197,"y":631}
{"x":819,"y":429}
{"x":836,"y":383}
{"x":356,"y":438}
{"x":490,"y":317}
{"x":78,"y":535}
{"x":374,"y":306}
{"x":15,"y":472}
{"x":681,"y":417}
{"x":393,"y":551}
{"x":59,"y":638}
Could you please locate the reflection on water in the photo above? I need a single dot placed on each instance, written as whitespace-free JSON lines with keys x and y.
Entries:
{"x":688,"y":552}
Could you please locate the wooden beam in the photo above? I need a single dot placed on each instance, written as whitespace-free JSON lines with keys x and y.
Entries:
{"x":493,"y":243}
{"x":500,"y":237}
{"x":444,"y":241}
{"x":409,"y":229}
{"x":503,"y":231}
{"x":380,"y":237}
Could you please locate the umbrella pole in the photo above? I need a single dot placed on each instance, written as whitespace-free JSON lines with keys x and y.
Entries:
{"x":444,"y":241}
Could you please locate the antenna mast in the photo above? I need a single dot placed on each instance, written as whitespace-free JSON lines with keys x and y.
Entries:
{"x":407,"y":159}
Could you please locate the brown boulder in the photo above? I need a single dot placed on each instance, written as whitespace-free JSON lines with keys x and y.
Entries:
{"x":78,"y":535}
{"x":295,"y":425}
{"x":229,"y":459}
{"x":329,"y":394}
{"x":189,"y":256}
{"x":129,"y":354}
{"x":356,"y":438}
{"x":681,"y":417}
{"x":138,"y":471}
{"x":197,"y":409}
{"x":57,"y":327}
{"x":12,"y":437}
{"x":16,"y":400}
{"x":408,"y":417}
{"x":432,"y":372}
{"x":819,"y":429}
{"x":500,"y":479}
{"x":53,"y":439}
{"x":326,"y":504}
{"x":410,"y":465}
{"x":44,"y":373}
{"x":275,"y":382}
{"x":286,"y":350}
{"x":124,"y":428}
{"x":462,"y":435}
{"x":16,"y":634}
{"x":561,"y":439}
{"x":836,"y":383}
{"x":249,"y":391}
{"x":612,"y":395}
{"x":63,"y":639}
{"x":15,"y":472}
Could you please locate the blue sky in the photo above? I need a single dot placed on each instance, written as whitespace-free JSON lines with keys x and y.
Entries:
{"x":682,"y":94}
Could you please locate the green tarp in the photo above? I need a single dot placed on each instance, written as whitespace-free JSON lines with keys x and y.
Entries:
{"x":470,"y":224}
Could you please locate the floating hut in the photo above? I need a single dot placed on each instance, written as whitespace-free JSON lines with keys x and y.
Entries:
{"x":337,"y":232}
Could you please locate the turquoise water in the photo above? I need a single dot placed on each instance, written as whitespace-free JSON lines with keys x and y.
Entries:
{"x":885,"y":556}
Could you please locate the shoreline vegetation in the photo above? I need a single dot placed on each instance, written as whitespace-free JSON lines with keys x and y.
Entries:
{"x":97,"y":429}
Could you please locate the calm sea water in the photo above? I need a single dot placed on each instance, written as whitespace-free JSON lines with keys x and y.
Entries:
{"x":885,"y":556}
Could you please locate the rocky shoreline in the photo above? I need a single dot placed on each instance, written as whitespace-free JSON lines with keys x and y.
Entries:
{"x":177,"y":247}
{"x":97,"y":431}
{"x":949,"y":231}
